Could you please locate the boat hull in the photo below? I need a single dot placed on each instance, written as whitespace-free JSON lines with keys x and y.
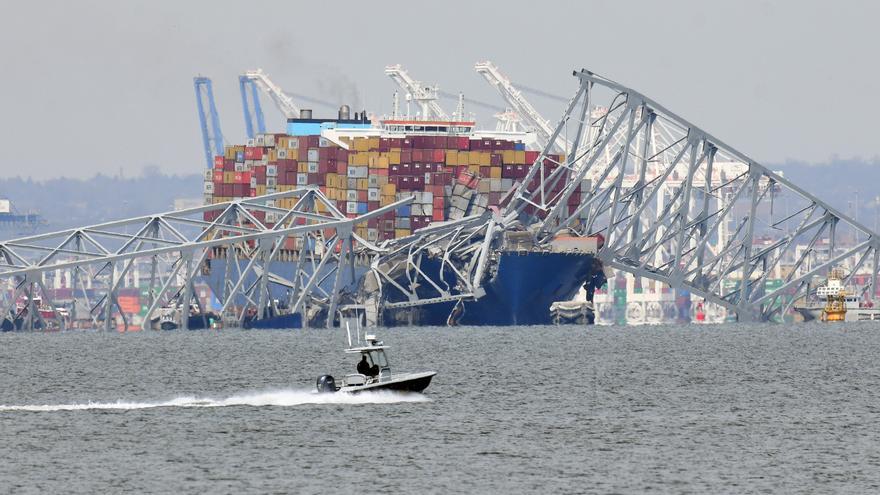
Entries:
{"x":413,"y":382}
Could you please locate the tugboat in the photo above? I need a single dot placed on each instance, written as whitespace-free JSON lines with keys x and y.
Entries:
{"x":374,"y":372}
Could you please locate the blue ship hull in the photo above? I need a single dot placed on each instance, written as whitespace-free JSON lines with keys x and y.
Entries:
{"x":522,"y":290}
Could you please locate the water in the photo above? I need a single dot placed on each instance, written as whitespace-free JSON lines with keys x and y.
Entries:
{"x":675,"y":409}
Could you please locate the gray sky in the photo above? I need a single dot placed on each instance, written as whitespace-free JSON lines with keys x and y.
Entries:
{"x":107,"y":86}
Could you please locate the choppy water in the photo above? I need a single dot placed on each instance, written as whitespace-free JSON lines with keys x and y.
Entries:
{"x":722,"y":409}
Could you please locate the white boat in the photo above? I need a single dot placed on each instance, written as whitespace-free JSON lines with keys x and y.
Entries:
{"x":834,"y":287}
{"x":374,"y":371}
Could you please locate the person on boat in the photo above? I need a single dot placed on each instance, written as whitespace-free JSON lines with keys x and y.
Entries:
{"x":365,"y":369}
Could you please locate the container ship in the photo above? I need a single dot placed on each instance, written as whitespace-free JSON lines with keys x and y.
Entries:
{"x":449,"y":167}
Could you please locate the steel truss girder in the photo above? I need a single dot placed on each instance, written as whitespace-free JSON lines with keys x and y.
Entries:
{"x":175,"y":246}
{"x":677,"y":205}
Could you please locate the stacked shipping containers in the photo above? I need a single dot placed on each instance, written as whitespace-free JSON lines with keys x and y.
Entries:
{"x":449,"y":176}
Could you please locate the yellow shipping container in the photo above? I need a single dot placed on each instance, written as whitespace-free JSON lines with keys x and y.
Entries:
{"x":385,"y":200}
{"x":394,"y":157}
{"x":361,"y":144}
{"x":401,"y":232}
{"x":485,"y":159}
{"x":389,"y":190}
{"x":273,"y":155}
{"x":261,"y":190}
{"x":229,"y":177}
{"x":519,"y":157}
{"x":464,"y":158}
{"x":383,"y":161}
{"x":363,"y":184}
{"x":321,"y":207}
{"x":373,"y":143}
{"x":508,"y":156}
{"x":475,"y":169}
{"x":495,"y":172}
{"x":361,"y":159}
{"x":351,"y":158}
{"x":302,"y":167}
{"x":451,"y":157}
{"x":281,"y":142}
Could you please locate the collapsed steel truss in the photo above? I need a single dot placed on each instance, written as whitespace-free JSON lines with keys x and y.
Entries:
{"x":678,"y":205}
{"x":176,"y":245}
{"x":673,"y":203}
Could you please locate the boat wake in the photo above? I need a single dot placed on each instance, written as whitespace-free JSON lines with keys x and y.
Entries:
{"x":283,"y":398}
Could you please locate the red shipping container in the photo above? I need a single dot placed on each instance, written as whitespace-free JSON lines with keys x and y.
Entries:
{"x":406,"y":156}
{"x":485,"y":171}
{"x":417,"y":155}
{"x":252,"y":192}
{"x":531,"y":156}
{"x":218,"y":162}
{"x":381,"y":172}
{"x":237,"y":177}
{"x":373,"y":205}
{"x":218,"y":175}
{"x":438,"y":215}
{"x":313,"y":141}
{"x":439,"y":156}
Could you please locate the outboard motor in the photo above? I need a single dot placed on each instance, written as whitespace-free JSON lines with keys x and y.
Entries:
{"x":326,"y":383}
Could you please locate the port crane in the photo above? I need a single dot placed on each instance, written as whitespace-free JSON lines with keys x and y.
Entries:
{"x":258,"y":79}
{"x":425,"y":96}
{"x":520,"y":106}
{"x":209,"y":121}
{"x":254,"y":121}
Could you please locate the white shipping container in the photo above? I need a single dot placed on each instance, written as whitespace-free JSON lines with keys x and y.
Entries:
{"x":351,"y":207}
{"x":249,"y":163}
{"x":313,"y":155}
{"x":324,"y":142}
{"x":427,"y":177}
{"x":270,"y":190}
{"x":251,"y":142}
{"x":270,"y":203}
{"x":239,"y":167}
{"x":313,"y":168}
{"x":282,"y":153}
{"x":253,"y":182}
{"x":271,"y":170}
{"x":209,"y":175}
{"x":269,"y":140}
{"x":302,"y":179}
{"x":271,"y":182}
{"x":428,"y":199}
{"x":260,"y":141}
{"x":351,"y":195}
{"x":209,"y":187}
{"x":372,"y":194}
{"x":293,"y":143}
{"x":372,"y":234}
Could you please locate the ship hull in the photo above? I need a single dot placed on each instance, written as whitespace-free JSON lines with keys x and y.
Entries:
{"x":520,"y":293}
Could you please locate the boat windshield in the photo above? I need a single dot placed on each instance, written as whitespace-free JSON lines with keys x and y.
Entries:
{"x":378,"y":358}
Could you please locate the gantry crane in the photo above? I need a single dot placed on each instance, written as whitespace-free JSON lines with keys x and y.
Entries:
{"x":281,"y":99}
{"x":212,"y":136}
{"x":527,"y":113}
{"x":425,"y":96}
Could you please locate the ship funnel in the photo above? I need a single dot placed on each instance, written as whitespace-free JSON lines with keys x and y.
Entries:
{"x":344,"y":112}
{"x":305,"y":113}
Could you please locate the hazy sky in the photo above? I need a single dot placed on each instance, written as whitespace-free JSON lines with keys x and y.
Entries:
{"x":107,"y":86}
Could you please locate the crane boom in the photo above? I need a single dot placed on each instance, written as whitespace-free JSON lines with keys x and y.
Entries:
{"x":425,"y":96}
{"x":284,"y":102}
{"x":212,"y":136}
{"x":254,"y":122}
{"x":530,"y":116}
